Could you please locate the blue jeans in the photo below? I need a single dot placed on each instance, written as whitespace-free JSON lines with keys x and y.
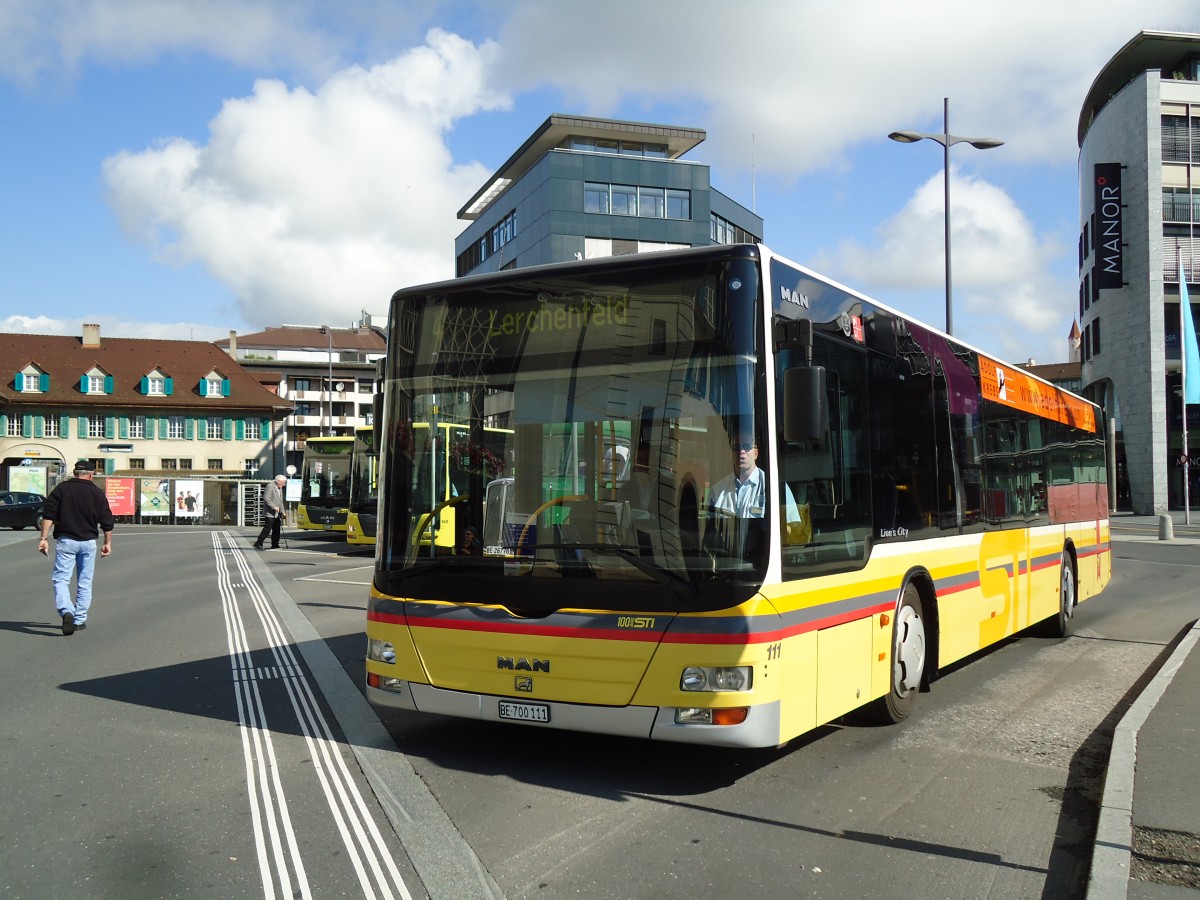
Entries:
{"x":81,"y":556}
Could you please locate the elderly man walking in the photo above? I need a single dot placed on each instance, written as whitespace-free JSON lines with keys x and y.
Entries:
{"x":273,"y":511}
{"x":78,"y":511}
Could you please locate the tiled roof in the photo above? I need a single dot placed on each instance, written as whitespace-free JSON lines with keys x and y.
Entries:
{"x":310,"y":337}
{"x":65,"y":359}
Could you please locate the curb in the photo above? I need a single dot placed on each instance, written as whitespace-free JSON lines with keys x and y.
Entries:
{"x":1109,"y":878}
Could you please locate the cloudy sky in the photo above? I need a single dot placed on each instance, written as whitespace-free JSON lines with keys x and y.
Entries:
{"x":175,"y":168}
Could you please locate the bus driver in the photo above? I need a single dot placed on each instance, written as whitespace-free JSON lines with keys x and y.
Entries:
{"x":742,"y":495}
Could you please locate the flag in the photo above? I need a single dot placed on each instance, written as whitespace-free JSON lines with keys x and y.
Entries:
{"x":1189,"y":354}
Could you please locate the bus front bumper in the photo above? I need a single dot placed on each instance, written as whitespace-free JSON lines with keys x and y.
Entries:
{"x":760,"y":729}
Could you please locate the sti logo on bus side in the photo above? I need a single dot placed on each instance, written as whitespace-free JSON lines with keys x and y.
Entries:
{"x":520,"y":664}
{"x":787,"y":295}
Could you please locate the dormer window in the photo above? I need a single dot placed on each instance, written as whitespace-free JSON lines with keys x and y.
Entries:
{"x":156,"y":384}
{"x":214,"y":384}
{"x":96,"y":381}
{"x":32,"y":380}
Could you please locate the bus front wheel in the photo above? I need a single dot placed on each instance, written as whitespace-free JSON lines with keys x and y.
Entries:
{"x":1059,"y":625}
{"x":909,"y":658}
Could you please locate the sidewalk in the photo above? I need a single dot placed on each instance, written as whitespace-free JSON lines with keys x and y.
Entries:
{"x":1149,"y":823}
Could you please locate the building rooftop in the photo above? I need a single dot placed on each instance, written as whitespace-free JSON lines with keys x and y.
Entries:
{"x":66,"y":359}
{"x":1055,"y":372}
{"x":309,"y":337}
{"x":556,"y":129}
{"x":1163,"y":50}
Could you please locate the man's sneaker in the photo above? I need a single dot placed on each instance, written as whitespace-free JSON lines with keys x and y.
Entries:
{"x":81,"y":626}
{"x":258,"y":546}
{"x":68,"y":625}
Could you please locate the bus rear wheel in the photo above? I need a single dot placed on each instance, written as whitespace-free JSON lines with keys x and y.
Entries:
{"x":909,"y":659}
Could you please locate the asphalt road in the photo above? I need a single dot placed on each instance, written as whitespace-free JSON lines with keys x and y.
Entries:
{"x":128,"y":765}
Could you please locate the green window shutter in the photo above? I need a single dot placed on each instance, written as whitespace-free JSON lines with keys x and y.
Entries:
{"x":264,"y":429}
{"x":227,"y":430}
{"x":64,"y":426}
{"x":124,"y":424}
{"x":27,"y":425}
{"x":168,"y":386}
{"x":150,"y":420}
{"x":19,"y":381}
{"x":39,"y":426}
{"x":83,"y":382}
{"x":241,"y":430}
{"x":108,"y":384}
{"x":202,"y":387}
{"x":224,"y":387}
{"x":3,"y":423}
{"x":110,"y":427}
{"x":44,"y":382}
{"x":189,"y":429}
{"x":110,"y":466}
{"x":144,"y":385}
{"x":82,"y":432}
{"x":202,"y":429}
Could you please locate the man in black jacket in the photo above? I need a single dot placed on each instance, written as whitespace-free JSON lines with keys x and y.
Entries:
{"x":78,"y":511}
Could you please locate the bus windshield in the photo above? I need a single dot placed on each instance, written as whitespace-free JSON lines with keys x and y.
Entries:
{"x":325,"y":483}
{"x":580,"y":427}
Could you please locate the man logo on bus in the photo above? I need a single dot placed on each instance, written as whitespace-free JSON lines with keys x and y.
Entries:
{"x":523,"y":665}
{"x":790,"y":296}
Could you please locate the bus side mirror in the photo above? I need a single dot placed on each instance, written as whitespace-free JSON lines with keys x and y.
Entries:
{"x":805,"y":416}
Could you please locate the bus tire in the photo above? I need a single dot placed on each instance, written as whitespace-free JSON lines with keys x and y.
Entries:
{"x":1059,"y":625}
{"x":909,"y":659}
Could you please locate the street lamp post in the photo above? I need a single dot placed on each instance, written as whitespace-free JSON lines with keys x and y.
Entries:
{"x":947,"y":140}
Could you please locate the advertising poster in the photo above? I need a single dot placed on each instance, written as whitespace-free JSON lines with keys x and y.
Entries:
{"x":119,"y":492}
{"x":189,"y":499}
{"x":29,"y":479}
{"x":155,"y":499}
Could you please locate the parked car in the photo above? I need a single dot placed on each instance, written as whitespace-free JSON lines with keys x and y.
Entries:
{"x":20,"y":510}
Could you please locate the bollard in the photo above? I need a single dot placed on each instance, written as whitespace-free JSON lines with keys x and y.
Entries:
{"x":1166,"y":528}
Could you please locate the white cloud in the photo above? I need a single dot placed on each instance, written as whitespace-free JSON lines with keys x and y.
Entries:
{"x":1000,"y":281}
{"x":313,"y":205}
{"x":112,"y":326}
{"x":53,"y":39}
{"x":810,"y":78}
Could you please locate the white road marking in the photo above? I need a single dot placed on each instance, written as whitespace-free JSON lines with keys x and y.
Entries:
{"x":364,"y":843}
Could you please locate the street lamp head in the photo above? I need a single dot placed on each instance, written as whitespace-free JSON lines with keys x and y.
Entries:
{"x":985,"y":143}
{"x":906,"y":137}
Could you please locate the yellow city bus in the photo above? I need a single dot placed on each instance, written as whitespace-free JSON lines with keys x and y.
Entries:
{"x":364,"y":487}
{"x":325,"y":483}
{"x":908,"y":501}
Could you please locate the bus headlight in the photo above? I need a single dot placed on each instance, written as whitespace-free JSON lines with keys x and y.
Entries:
{"x":716,"y":678}
{"x":380,"y":651}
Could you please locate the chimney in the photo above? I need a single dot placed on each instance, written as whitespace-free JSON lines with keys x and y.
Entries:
{"x":91,"y":335}
{"x":233,"y":344}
